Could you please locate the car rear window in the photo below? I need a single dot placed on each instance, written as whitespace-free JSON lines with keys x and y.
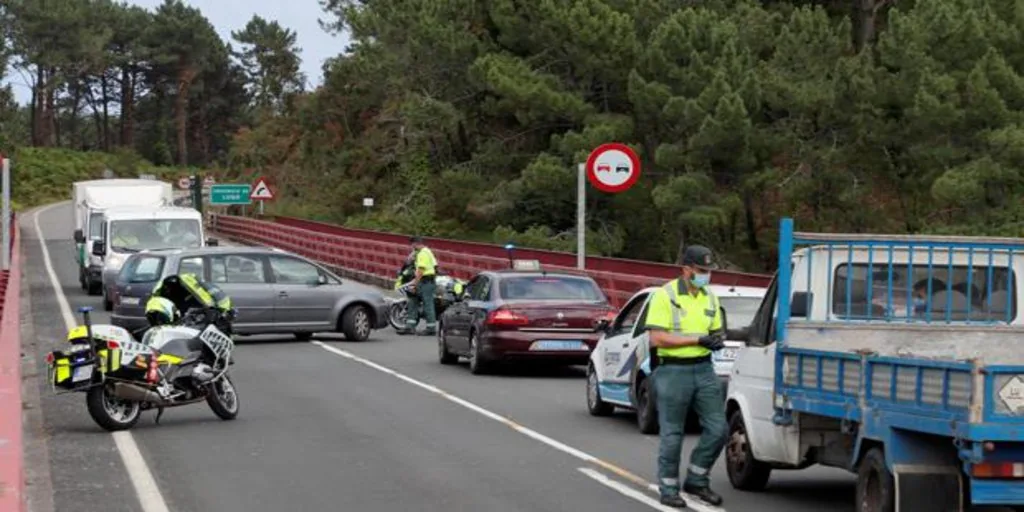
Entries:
{"x":549,"y":288}
{"x":143,"y":269}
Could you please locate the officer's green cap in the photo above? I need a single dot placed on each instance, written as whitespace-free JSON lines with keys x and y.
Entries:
{"x":697,"y":256}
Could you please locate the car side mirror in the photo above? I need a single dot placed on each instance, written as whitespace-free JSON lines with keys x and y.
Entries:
{"x":79,"y":236}
{"x":212,"y":242}
{"x":603,"y":325}
{"x":321,"y":279}
{"x":463,"y":297}
{"x":741,"y":334}
{"x":99,"y":248}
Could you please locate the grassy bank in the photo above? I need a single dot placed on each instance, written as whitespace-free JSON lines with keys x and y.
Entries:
{"x":45,"y":175}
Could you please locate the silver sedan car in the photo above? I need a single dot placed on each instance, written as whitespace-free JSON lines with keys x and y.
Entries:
{"x":275,"y":292}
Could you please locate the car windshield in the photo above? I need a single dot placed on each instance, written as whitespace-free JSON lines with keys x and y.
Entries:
{"x":136,"y":235}
{"x":549,"y":288}
{"x":142,"y":269}
{"x":740,"y":311}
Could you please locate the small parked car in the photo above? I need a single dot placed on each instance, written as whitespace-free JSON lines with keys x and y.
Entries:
{"x":619,"y":366}
{"x":523,"y":315}
{"x":273,"y":291}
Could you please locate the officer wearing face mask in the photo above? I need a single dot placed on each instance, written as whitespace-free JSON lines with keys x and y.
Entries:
{"x":685,"y":324}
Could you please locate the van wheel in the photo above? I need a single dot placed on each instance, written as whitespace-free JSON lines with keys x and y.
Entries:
{"x":876,"y":489}
{"x":646,"y":409}
{"x":745,"y":472}
{"x":595,"y":405}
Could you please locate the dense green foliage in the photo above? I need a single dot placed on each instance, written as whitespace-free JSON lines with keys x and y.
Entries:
{"x":45,"y":175}
{"x":466,"y":118}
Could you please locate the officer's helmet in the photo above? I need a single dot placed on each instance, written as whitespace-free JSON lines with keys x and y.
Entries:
{"x":161,"y":311}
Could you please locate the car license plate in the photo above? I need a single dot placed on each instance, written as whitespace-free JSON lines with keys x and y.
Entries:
{"x":82,"y":373}
{"x":130,"y":301}
{"x":558,"y":345}
{"x":726,"y":354}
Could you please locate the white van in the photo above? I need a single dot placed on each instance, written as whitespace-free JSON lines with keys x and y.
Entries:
{"x":128,"y":230}
{"x":90,"y":199}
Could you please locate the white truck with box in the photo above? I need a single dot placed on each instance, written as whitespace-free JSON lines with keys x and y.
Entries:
{"x":90,"y":199}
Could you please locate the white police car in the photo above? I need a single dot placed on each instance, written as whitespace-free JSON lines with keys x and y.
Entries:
{"x":620,"y":364}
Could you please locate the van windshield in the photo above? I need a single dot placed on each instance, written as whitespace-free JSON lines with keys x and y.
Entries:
{"x":136,"y":235}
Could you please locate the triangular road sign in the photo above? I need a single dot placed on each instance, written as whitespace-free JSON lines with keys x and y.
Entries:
{"x":261,"y":191}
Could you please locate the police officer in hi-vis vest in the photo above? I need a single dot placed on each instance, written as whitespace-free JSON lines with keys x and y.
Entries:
{"x":685,"y":324}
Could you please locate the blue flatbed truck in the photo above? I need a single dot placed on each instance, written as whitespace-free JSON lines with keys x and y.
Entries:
{"x":899,"y":358}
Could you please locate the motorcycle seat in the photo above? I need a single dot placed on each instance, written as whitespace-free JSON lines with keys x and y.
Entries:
{"x":183,"y":347}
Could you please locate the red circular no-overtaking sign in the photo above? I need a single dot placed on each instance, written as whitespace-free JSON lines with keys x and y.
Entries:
{"x":613,"y":167}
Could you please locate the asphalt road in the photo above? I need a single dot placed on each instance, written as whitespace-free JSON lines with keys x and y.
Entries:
{"x":372,"y":426}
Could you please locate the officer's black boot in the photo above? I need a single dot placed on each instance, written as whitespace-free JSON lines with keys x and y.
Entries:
{"x":674,"y":501}
{"x":704,"y":493}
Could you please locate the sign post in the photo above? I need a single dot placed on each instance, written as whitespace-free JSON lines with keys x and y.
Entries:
{"x":229,"y":193}
{"x":261,"y":192}
{"x":611,"y":168}
{"x":6,"y":163}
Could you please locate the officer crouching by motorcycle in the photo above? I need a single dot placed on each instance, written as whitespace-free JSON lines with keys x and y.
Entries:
{"x":188,"y":293}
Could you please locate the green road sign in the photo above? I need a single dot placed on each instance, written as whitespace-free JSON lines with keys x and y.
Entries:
{"x":230,"y":193}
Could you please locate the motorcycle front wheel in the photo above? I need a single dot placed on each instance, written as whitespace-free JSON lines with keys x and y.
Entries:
{"x":397,"y":313}
{"x":110,"y":412}
{"x":223,"y":399}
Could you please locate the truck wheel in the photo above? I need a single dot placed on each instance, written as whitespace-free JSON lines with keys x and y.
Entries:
{"x":646,"y":409}
{"x":745,"y":472}
{"x":595,"y":405}
{"x":876,"y":489}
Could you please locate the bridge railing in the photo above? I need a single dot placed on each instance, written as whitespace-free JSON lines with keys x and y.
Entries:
{"x":377,"y":256}
{"x":12,"y":474}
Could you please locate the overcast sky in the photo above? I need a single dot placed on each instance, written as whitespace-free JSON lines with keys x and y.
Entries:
{"x":228,"y":15}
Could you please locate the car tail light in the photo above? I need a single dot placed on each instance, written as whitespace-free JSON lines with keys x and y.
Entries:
{"x":50,"y":358}
{"x":507,"y":317}
{"x":608,"y":315}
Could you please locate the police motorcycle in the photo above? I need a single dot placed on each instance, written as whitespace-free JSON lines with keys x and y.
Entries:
{"x":447,"y":289}
{"x":182,"y":359}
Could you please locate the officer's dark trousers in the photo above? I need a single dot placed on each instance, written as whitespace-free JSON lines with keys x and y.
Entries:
{"x":424,"y":295}
{"x":676,"y":388}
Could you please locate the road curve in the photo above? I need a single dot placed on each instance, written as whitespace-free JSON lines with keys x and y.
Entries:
{"x":372,"y":426}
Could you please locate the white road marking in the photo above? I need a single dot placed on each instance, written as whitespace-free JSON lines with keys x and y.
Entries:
{"x":138,"y":472}
{"x":626,"y":490}
{"x":691,"y":501}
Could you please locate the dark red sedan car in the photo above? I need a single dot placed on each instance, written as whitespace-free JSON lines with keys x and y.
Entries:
{"x":517,"y":315}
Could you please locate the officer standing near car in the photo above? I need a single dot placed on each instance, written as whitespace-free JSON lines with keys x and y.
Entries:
{"x":685,"y":324}
{"x":423,"y":290}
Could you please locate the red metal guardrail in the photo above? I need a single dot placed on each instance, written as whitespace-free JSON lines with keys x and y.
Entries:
{"x":380,"y":255}
{"x":12,"y":474}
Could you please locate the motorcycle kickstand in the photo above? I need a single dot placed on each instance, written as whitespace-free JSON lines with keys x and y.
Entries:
{"x":159,"y":413}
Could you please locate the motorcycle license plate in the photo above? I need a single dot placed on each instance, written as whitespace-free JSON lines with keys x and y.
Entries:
{"x":82,"y":373}
{"x":558,"y":346}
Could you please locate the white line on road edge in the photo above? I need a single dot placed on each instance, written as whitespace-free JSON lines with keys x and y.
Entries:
{"x":142,"y":479}
{"x":626,"y":490}
{"x":692,"y":501}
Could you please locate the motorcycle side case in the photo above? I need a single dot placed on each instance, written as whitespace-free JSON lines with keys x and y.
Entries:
{"x":74,"y":368}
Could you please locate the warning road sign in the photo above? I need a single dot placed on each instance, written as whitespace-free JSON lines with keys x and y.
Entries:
{"x":261,"y":191}
{"x":613,"y":167}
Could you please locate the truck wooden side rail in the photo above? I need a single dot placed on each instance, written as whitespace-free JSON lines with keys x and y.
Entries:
{"x":899,"y":358}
